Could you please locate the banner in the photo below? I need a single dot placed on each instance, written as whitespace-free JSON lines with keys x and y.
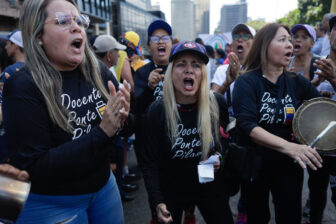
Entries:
{"x":216,"y":40}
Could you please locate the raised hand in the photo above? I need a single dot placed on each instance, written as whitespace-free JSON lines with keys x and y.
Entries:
{"x":117,"y":109}
{"x":326,"y":70}
{"x":155,"y":77}
{"x":234,"y":68}
{"x":125,"y":89}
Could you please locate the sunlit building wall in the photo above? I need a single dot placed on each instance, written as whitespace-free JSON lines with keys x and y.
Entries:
{"x":231,"y":15}
{"x":129,"y":17}
{"x":183,"y":19}
{"x":202,"y":17}
{"x":142,"y":4}
{"x":99,"y":11}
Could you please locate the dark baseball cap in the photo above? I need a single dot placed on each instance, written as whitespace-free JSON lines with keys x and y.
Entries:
{"x":243,"y":27}
{"x":332,"y":22}
{"x":190,"y":47}
{"x":159,"y":24}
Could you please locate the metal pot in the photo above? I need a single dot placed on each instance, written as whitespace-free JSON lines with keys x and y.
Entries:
{"x":13,"y":195}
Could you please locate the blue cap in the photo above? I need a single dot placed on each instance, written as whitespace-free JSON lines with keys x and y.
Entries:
{"x":309,"y":29}
{"x":159,"y":24}
{"x":190,"y":47}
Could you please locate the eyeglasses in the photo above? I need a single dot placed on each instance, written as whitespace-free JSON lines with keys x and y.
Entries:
{"x":65,"y":20}
{"x":244,"y":36}
{"x":156,"y":39}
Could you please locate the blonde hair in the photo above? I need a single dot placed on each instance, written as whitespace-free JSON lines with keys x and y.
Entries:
{"x":208,"y":111}
{"x":46,"y":77}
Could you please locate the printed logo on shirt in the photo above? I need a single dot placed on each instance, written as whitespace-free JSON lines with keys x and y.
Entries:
{"x":158,"y":90}
{"x":101,"y":106}
{"x":268,"y":108}
{"x":187,"y":144}
{"x":82,"y":122}
{"x":288,"y":114}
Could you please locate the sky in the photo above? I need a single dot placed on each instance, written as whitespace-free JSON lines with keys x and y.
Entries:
{"x":270,"y":10}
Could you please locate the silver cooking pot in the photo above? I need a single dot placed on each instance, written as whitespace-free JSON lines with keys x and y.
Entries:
{"x":13,"y":195}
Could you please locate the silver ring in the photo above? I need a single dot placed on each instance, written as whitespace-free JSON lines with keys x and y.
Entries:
{"x":234,"y":63}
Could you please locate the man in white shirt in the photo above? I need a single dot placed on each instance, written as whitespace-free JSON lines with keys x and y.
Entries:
{"x":223,"y":81}
{"x":107,"y":49}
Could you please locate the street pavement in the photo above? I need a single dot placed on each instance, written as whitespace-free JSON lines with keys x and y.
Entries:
{"x":137,"y":211}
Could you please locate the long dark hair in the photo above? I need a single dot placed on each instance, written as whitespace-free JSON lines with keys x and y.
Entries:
{"x":257,"y":56}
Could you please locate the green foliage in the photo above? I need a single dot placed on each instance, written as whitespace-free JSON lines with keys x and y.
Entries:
{"x":257,"y":24}
{"x":292,"y":18}
{"x":308,"y":11}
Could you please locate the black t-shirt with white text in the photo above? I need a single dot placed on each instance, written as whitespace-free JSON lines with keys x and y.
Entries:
{"x":58,"y":162}
{"x":170,"y":168}
{"x":259,"y":102}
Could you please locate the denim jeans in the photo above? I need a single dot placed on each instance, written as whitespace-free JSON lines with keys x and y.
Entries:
{"x":100,"y":207}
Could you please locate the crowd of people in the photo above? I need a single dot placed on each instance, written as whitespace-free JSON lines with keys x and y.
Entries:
{"x":72,"y":106}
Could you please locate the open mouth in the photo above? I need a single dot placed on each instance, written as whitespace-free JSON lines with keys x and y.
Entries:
{"x":240,"y":48}
{"x":297,"y":47}
{"x":77,"y":43}
{"x":162,"y":50}
{"x":188,"y":83}
{"x":288,"y":54}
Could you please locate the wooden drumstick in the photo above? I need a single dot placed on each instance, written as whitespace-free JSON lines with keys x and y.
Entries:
{"x":330,"y":125}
